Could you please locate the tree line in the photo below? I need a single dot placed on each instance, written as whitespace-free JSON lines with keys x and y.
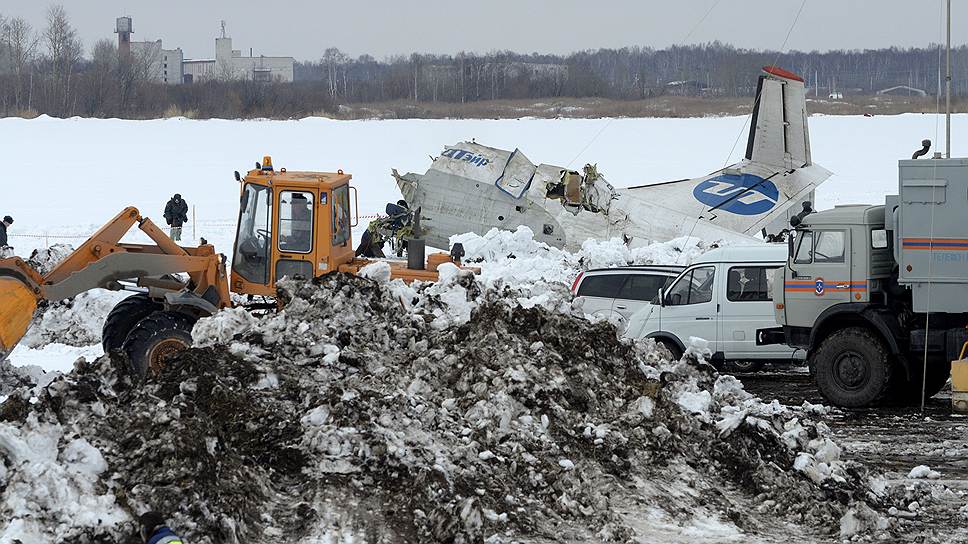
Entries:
{"x":47,"y":71}
{"x":713,"y":69}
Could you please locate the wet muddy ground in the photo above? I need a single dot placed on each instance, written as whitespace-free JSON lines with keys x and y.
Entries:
{"x":893,"y":440}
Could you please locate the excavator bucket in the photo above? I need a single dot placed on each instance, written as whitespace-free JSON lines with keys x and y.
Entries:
{"x":17,"y":306}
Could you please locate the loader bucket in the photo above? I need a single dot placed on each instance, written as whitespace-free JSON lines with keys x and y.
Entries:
{"x":17,"y":306}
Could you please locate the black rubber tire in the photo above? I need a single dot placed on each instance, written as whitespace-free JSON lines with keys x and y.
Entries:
{"x":156,"y":337}
{"x":743,"y":367}
{"x":853,"y":368}
{"x":123,"y":317}
{"x":671,"y":347}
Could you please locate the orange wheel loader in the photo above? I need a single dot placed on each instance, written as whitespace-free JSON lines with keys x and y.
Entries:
{"x":291,"y":224}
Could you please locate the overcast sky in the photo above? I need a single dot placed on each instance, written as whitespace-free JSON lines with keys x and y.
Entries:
{"x":304,"y":29}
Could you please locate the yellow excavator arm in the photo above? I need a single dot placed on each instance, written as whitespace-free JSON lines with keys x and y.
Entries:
{"x":103,"y":261}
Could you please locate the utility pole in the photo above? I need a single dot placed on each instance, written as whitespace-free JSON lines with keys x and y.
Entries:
{"x":947,"y":91}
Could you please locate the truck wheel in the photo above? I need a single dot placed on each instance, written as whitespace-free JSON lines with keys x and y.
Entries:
{"x":669,"y":346}
{"x":123,"y":317}
{"x":157,"y":337}
{"x":853,"y":368}
{"x":743,"y":367}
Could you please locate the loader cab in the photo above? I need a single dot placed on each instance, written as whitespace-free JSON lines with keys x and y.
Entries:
{"x":291,"y":224}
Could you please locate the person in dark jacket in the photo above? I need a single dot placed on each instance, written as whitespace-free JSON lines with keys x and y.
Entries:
{"x":154,"y":530}
{"x":7,"y":221}
{"x":176,"y":214}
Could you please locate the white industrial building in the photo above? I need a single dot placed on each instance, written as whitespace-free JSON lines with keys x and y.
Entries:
{"x":230,"y":64}
{"x":160,"y":64}
{"x":170,"y":66}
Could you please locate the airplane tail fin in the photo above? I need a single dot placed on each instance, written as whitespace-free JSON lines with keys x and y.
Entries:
{"x":760,"y":193}
{"x":778,"y":131}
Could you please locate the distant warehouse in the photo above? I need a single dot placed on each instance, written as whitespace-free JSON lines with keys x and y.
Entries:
{"x":169,"y":65}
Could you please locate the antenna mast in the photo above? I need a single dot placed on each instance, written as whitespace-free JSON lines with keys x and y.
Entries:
{"x":947,"y":91}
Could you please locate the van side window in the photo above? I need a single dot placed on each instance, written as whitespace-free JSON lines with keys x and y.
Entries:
{"x":641,"y":287}
{"x":605,"y":285}
{"x":749,"y":284}
{"x":694,"y":287}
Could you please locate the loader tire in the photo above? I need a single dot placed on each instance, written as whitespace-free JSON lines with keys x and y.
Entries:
{"x":125,"y":315}
{"x":155,"y":338}
{"x":853,"y":368}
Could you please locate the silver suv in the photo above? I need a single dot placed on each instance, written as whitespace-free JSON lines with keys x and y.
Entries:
{"x":617,"y":293}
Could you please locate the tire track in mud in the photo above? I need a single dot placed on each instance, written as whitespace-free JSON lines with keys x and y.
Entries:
{"x":892,"y":440}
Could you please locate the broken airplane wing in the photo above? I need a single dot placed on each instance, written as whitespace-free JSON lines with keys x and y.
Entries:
{"x":474,"y":188}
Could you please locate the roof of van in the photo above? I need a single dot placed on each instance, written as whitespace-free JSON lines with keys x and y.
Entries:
{"x":670,"y":268}
{"x":758,"y":253}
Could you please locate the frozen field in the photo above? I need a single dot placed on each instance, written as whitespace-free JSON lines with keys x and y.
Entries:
{"x":66,"y":177}
{"x":364,"y":395}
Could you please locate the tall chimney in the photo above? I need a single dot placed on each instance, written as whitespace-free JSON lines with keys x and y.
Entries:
{"x":123,"y":30}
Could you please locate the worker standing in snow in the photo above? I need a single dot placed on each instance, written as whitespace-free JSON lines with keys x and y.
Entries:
{"x":7,"y":221}
{"x":176,"y":214}
{"x":154,"y":530}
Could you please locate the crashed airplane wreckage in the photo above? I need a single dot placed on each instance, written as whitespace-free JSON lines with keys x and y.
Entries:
{"x":474,"y":188}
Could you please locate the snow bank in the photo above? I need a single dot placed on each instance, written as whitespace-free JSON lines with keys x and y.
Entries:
{"x":516,"y":258}
{"x":449,"y":412}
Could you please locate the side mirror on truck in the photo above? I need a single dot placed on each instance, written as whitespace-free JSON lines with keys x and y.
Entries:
{"x":661,"y":296}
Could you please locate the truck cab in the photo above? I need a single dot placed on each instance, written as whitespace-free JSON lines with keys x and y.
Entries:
{"x":877,"y":294}
{"x":840,"y":256}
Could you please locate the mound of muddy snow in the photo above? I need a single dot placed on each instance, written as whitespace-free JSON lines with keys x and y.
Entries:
{"x":44,"y":260}
{"x":74,"y":322}
{"x":516,"y":254}
{"x":354,"y":415}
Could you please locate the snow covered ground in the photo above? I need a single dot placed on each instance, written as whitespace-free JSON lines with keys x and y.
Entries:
{"x":67,"y":177}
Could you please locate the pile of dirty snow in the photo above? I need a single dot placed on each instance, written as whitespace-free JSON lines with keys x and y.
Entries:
{"x":516,"y":258}
{"x":372,"y":411}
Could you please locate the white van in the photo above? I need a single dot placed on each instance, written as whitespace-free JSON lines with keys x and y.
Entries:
{"x":617,"y":293}
{"x":725,"y":299}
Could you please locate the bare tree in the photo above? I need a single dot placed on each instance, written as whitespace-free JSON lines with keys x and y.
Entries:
{"x":102,"y":76}
{"x":20,"y":43}
{"x":63,"y":53}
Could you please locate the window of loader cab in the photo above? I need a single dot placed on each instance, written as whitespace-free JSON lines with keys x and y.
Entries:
{"x":341,"y":215}
{"x":253,"y":239}
{"x":693,"y":287}
{"x":603,"y":286}
{"x":749,"y":284}
{"x":296,"y":222}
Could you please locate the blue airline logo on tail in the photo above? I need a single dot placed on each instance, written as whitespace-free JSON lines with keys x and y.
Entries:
{"x":743,"y":194}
